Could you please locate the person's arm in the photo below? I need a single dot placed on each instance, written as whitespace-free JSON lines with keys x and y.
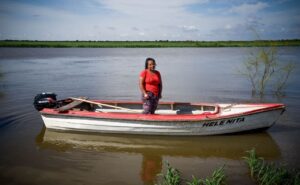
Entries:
{"x":160,"y":90}
{"x":160,"y":87}
{"x":142,"y":87}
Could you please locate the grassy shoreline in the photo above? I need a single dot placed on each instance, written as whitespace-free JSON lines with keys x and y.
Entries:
{"x":261,"y":171}
{"x":146,"y":44}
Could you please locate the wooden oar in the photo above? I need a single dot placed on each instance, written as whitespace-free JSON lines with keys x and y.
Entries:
{"x":103,"y":104}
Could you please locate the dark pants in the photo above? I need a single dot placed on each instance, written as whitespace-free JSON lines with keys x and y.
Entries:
{"x":150,"y":103}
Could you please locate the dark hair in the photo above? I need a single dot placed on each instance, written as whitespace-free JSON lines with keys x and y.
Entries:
{"x":147,"y":60}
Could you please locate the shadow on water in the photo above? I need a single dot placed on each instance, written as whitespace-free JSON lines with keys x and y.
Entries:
{"x":154,"y":148}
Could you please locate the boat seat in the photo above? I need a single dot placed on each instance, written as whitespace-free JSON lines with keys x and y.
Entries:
{"x":116,"y":110}
{"x":165,"y":112}
{"x":173,"y":112}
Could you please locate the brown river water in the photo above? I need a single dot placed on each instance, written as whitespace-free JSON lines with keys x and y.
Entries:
{"x":31,"y":154}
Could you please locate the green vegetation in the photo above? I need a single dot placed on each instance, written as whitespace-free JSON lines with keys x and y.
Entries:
{"x":146,"y":44}
{"x":264,"y":69}
{"x":270,"y":174}
{"x":172,"y":177}
{"x":218,"y":178}
{"x":262,"y":172}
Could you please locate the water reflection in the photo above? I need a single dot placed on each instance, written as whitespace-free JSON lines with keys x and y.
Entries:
{"x":154,"y":148}
{"x":151,"y":166}
{"x":1,"y":83}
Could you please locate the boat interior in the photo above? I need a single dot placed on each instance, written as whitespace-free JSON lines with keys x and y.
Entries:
{"x":163,"y":108}
{"x":168,"y":108}
{"x":171,"y":108}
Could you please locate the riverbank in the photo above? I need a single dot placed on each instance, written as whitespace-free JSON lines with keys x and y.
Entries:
{"x":145,"y":44}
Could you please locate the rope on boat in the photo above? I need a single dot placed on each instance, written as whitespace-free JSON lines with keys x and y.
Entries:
{"x":103,"y":104}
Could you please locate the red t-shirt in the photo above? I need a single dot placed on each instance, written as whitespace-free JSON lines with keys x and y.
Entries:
{"x":152,"y":81}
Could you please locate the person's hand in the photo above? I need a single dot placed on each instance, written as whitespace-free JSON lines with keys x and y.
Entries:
{"x":146,"y":96}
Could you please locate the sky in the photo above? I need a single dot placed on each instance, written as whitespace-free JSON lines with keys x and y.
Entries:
{"x":204,"y":20}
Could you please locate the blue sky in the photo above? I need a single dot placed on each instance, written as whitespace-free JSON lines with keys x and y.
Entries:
{"x":207,"y":20}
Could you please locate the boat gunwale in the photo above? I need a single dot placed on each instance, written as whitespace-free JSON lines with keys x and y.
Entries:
{"x":162,"y":118}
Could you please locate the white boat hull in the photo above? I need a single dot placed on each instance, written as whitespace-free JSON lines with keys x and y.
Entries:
{"x":237,"y":123}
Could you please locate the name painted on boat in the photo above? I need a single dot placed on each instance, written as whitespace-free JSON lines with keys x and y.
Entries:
{"x":223,"y":122}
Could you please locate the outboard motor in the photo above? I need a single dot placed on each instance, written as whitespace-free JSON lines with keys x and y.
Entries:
{"x":44,"y":100}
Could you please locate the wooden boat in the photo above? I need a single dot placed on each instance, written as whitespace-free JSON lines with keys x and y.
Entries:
{"x":171,"y":118}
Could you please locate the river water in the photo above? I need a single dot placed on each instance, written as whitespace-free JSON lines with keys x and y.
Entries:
{"x":31,"y":154}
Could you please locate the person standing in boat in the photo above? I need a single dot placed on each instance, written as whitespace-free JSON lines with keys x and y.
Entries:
{"x":151,"y":86}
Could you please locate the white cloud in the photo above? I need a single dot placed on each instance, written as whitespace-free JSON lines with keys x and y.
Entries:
{"x":136,"y":20}
{"x":189,"y":28}
{"x":133,"y":7}
{"x":228,"y":26}
{"x":249,"y":9}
